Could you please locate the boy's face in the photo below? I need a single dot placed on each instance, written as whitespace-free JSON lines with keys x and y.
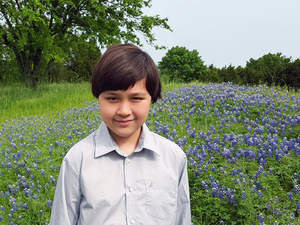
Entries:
{"x":124,"y":112}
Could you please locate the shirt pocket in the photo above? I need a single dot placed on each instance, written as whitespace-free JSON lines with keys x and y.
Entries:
{"x":161,"y":198}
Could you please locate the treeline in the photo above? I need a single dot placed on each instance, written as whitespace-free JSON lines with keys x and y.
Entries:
{"x":182,"y":65}
{"x":179,"y":65}
{"x":270,"y":69}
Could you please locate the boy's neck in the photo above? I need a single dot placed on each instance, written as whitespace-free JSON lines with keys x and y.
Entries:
{"x":127,"y":148}
{"x":127,"y":144}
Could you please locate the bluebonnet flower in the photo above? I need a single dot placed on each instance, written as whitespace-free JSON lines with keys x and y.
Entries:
{"x":290,"y":195}
{"x":214,"y":192}
{"x":298,"y":206}
{"x":205,"y":185}
{"x":261,"y":218}
{"x":50,"y":203}
{"x":25,"y":206}
{"x":278,"y":213}
{"x":296,"y":189}
{"x":244,"y":196}
{"x":260,"y":194}
{"x":258,"y":184}
{"x":232,"y":200}
{"x":52,"y":179}
{"x":254,"y":189}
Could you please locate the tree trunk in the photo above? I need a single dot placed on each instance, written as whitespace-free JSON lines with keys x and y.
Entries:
{"x":29,"y":66}
{"x":47,"y":71}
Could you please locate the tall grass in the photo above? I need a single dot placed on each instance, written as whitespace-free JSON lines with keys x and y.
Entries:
{"x":17,"y":101}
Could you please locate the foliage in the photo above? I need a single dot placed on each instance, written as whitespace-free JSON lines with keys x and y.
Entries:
{"x":291,"y":74}
{"x":213,"y":75}
{"x":242,"y":144}
{"x":269,"y":67}
{"x":43,"y":30}
{"x":182,"y":65}
{"x":77,"y":66}
{"x":8,"y":67}
{"x":83,"y":59}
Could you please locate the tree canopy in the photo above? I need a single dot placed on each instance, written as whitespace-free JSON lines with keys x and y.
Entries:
{"x":269,"y":67}
{"x":44,"y":30}
{"x":183,"y":65}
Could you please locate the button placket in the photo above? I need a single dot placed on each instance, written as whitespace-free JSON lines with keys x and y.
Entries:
{"x":131,"y":194}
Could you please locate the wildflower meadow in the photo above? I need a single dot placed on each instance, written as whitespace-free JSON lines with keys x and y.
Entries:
{"x":242,"y":145}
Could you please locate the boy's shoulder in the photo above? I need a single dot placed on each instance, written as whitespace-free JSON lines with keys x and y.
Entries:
{"x":166,"y":146}
{"x":84,"y":146}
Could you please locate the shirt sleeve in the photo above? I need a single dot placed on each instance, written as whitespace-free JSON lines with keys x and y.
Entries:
{"x":183,"y":200}
{"x":65,"y":209}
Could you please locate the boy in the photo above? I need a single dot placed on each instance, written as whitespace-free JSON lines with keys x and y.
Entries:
{"x":123,"y":173}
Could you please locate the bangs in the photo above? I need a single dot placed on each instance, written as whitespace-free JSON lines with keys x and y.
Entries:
{"x":125,"y":74}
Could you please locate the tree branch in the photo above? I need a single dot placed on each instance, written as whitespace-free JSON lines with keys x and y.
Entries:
{"x":18,"y":5}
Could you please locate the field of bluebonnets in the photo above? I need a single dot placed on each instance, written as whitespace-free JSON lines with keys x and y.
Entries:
{"x":242,"y":144}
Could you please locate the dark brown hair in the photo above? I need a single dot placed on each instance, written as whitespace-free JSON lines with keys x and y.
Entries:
{"x":121,"y":66}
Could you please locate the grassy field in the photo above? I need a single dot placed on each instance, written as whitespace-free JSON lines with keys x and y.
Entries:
{"x":242,"y":144}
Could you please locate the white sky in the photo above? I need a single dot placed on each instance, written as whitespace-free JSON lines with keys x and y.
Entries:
{"x":228,"y":32}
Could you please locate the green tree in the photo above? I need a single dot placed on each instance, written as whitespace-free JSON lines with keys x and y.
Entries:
{"x":228,"y":73}
{"x":83,"y":58}
{"x":213,"y":75}
{"x":292,"y":74}
{"x":267,"y":69}
{"x":8,"y":66}
{"x":37,"y":30}
{"x":182,"y":65}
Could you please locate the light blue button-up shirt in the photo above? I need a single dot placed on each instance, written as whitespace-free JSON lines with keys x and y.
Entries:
{"x":99,"y":184}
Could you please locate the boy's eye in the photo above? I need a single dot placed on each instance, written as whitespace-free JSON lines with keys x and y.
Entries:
{"x":137,"y":98}
{"x":111,"y":99}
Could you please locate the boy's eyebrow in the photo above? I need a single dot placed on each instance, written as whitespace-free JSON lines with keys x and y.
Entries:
{"x":110,"y":93}
{"x":133,"y":94}
{"x":139,"y":93}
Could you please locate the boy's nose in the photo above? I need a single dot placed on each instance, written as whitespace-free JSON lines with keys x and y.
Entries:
{"x":124,"y":109}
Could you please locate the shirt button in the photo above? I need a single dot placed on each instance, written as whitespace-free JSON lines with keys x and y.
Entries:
{"x":132,"y":221}
{"x":129,"y":161}
{"x":131,"y":189}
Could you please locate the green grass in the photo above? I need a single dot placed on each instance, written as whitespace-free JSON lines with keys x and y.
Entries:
{"x":17,"y":101}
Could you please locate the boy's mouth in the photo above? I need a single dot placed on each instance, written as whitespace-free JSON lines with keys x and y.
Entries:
{"x":124,"y":122}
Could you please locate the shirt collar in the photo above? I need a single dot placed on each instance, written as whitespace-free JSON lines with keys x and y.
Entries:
{"x":147,"y":141}
{"x":105,"y":143}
